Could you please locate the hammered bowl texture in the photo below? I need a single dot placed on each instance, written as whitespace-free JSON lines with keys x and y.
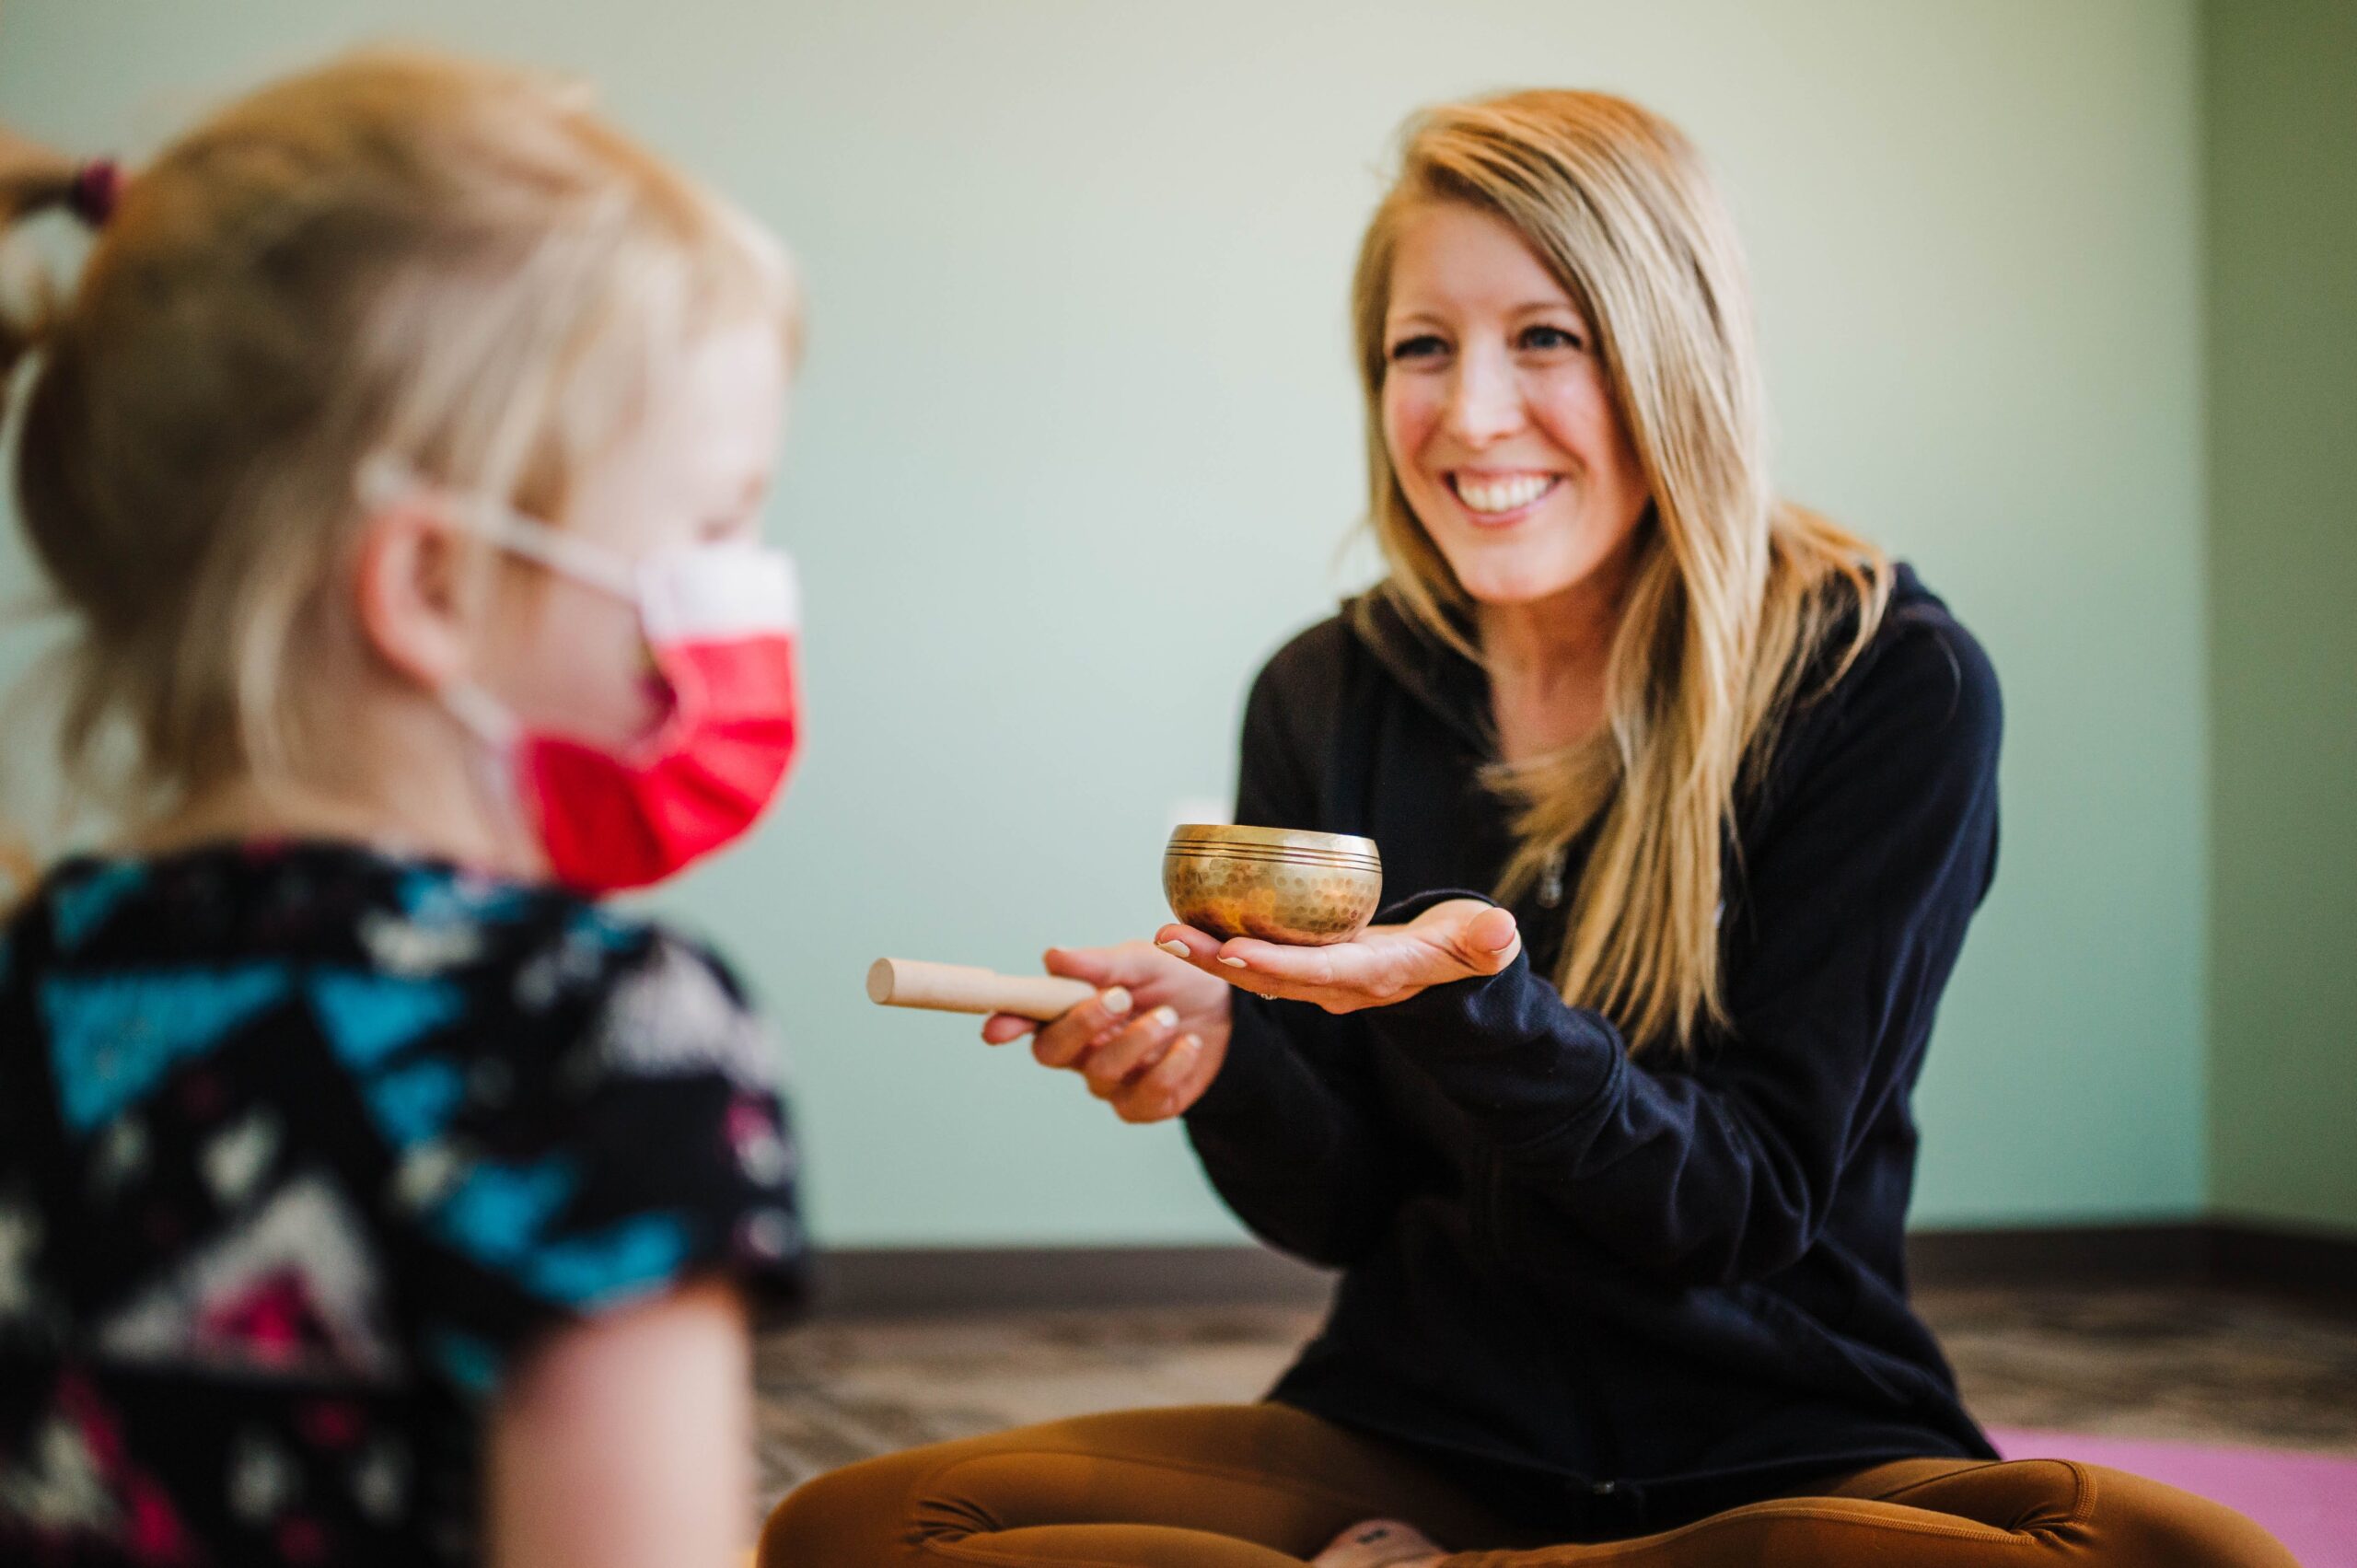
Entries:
{"x":1298,"y":890}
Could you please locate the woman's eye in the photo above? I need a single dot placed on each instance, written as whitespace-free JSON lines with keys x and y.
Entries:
{"x":1547,"y":339}
{"x":1423,"y":347}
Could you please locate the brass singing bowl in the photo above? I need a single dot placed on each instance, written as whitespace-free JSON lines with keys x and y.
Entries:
{"x":1278,"y":884}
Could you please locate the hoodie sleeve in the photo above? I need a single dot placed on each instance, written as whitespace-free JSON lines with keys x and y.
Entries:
{"x":1290,"y":1132}
{"x":1720,"y":1166}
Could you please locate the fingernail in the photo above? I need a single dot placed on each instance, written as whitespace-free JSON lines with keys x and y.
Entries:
{"x":1189,"y":1043}
{"x":1235,"y":963}
{"x":1165,"y":1016}
{"x":1175,"y":948}
{"x":1116,"y":1001}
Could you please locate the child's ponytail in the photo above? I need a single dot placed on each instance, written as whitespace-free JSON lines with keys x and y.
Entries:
{"x":34,"y":180}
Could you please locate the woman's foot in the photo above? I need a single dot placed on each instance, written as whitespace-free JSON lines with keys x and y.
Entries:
{"x":1379,"y":1543}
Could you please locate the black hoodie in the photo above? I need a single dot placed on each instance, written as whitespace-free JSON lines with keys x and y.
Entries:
{"x":1613,"y":1292}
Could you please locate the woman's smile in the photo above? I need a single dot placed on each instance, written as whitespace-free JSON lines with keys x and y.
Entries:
{"x":1496,"y":497}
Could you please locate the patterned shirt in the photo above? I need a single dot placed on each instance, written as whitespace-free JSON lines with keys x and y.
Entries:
{"x":300,"y":1146}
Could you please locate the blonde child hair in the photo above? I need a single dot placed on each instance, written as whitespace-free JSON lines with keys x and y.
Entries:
{"x":450,"y":262}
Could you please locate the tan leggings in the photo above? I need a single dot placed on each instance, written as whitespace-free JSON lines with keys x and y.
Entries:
{"x":1263,"y":1486}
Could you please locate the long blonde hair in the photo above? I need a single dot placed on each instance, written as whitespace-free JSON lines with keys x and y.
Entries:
{"x":1733,"y":593}
{"x":452,"y":262}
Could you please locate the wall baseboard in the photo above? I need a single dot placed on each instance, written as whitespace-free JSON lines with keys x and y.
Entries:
{"x":2309,"y":1260}
{"x":2172,"y":1252}
{"x":2230,"y":1253}
{"x":889,"y":1281}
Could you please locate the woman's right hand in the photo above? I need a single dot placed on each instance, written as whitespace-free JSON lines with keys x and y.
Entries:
{"x":1151,"y":1040}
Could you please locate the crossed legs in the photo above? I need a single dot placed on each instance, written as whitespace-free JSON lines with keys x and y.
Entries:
{"x":1265,"y":1486}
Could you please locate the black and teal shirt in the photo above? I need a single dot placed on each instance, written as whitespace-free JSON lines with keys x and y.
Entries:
{"x":301,"y":1148}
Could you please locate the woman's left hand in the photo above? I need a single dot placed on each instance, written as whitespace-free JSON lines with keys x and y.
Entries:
{"x":1460,"y":939}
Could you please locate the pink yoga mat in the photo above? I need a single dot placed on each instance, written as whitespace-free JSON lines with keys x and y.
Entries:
{"x":2308,"y":1500}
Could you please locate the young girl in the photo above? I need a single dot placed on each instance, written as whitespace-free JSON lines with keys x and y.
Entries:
{"x":368,"y":1193}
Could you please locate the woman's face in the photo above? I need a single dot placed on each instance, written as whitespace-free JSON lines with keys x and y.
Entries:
{"x":1497,"y":415}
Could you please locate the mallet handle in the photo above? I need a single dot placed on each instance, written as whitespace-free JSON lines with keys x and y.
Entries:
{"x":955,"y":988}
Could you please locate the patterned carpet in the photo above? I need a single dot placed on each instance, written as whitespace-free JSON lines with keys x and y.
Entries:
{"x":2182,"y":1364}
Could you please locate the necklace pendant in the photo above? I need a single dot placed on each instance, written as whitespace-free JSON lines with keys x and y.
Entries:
{"x":1550,"y":880}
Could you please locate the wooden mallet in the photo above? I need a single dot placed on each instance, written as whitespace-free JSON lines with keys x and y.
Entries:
{"x":956,"y":988}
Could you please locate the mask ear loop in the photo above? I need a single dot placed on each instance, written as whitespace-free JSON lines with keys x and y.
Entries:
{"x":384,"y":481}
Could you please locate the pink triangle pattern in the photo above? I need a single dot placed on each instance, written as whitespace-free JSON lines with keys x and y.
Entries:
{"x":77,"y":1485}
{"x":275,"y":1317}
{"x":294,"y":1291}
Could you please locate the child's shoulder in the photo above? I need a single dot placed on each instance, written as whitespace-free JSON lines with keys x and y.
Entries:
{"x":380,"y":953}
{"x":550,"y":981}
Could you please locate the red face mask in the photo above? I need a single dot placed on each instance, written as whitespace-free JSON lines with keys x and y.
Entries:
{"x":721,"y":623}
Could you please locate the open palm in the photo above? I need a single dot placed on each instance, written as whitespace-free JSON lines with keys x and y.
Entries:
{"x":1460,"y":939}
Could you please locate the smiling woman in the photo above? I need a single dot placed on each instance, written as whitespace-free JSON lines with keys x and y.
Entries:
{"x":1614,"y":1157}
{"x":1545,"y":263}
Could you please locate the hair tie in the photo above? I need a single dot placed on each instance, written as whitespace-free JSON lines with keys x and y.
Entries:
{"x":97,"y":186}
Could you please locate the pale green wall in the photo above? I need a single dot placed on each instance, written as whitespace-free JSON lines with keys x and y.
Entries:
{"x":2281,"y":97}
{"x":1078,"y":442}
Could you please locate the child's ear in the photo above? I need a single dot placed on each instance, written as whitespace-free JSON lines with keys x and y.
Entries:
{"x":408,"y":585}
